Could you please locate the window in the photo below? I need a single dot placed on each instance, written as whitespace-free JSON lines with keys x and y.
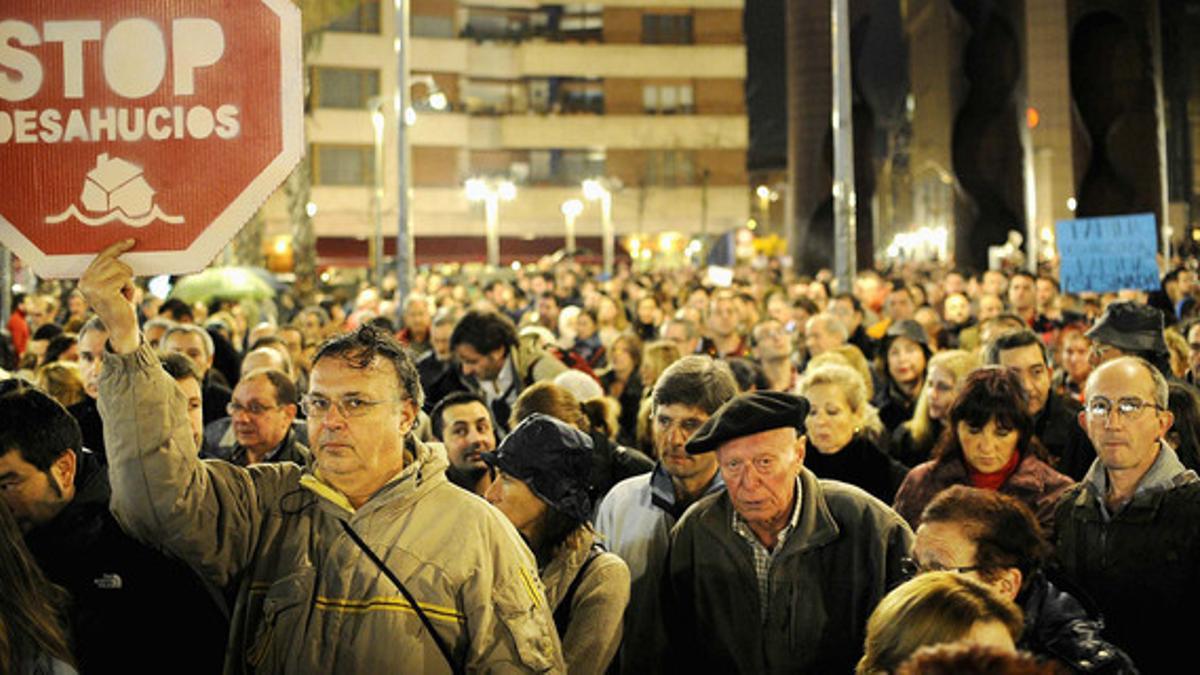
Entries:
{"x":582,"y":21}
{"x":565,"y":167}
{"x":343,"y":164}
{"x":667,"y":29}
{"x":364,"y":18}
{"x":432,"y":26}
{"x":668,"y":99}
{"x":344,"y":87}
{"x":582,"y":96}
{"x":670,"y":167}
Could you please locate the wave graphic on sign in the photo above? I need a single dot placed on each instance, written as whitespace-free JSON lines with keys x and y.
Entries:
{"x":116,"y":190}
{"x":155,"y":214}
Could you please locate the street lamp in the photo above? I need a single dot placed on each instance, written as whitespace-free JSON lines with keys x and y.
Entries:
{"x":571,"y":210}
{"x":601,"y":189}
{"x":378,"y":121}
{"x":490,"y":193}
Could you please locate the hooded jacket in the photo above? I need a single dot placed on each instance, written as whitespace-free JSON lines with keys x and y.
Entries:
{"x":308,"y":599}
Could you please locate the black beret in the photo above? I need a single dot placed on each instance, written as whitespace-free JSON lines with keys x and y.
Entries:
{"x":748,"y":414}
{"x":553,"y":458}
{"x":1131,"y":327}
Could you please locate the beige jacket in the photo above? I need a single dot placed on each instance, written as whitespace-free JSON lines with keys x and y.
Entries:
{"x":598,"y":608}
{"x":308,"y":600}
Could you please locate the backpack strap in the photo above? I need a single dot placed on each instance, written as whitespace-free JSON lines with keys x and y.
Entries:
{"x":562,"y":613}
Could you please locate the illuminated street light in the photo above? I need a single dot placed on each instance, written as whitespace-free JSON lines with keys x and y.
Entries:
{"x":601,"y":189}
{"x":571,"y":210}
{"x":490,"y":193}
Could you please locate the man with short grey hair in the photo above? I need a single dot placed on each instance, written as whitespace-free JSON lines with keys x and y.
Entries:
{"x":1129,"y":533}
{"x":823,"y":333}
{"x":637,"y":514}
{"x":195,"y":343}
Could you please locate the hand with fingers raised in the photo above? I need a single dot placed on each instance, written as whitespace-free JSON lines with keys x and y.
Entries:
{"x":108,"y":286}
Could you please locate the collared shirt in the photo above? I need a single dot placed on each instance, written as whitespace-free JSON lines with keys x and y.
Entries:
{"x":1160,"y":477}
{"x":763,"y":558}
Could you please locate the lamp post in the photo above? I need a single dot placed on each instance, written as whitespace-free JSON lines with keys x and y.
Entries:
{"x":571,"y":210}
{"x":378,"y":121}
{"x":490,"y":193}
{"x":597,"y":189}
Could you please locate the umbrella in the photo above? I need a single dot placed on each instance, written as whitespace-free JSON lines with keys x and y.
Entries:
{"x":235,"y":283}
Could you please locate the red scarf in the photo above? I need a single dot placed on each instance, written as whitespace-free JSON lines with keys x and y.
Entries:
{"x":993,"y":481}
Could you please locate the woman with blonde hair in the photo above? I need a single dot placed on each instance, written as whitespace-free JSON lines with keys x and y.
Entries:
{"x":937,"y":608}
{"x":837,"y":427}
{"x":914,"y":440}
{"x":63,"y":381}
{"x":656,"y":356}
{"x":33,"y":635}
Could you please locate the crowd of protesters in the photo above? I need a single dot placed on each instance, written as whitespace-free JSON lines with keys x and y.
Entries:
{"x":548,"y":470}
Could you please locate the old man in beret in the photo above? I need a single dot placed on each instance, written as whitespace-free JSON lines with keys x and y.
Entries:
{"x":779,"y":572}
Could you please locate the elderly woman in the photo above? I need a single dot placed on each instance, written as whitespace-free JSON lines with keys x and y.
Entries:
{"x":914,"y":440}
{"x":902,"y":359}
{"x":932,"y":609}
{"x":838,"y":448}
{"x":989,"y":445}
{"x":542,"y":487}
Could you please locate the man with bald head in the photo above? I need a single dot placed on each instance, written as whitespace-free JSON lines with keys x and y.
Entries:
{"x":1129,"y":533}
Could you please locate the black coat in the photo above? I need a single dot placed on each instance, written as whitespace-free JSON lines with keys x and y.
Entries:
{"x":1058,"y":627}
{"x":133,"y":609}
{"x":860,"y":463}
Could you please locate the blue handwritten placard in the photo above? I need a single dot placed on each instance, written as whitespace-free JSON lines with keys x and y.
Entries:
{"x":1108,"y":253}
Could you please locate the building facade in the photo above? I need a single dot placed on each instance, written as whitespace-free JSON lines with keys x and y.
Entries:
{"x":648,"y":95}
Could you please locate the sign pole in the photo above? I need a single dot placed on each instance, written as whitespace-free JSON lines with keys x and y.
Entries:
{"x":5,"y":286}
{"x":404,"y":242}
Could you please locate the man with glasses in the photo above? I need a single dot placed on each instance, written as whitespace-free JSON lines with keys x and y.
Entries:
{"x":1129,"y":533}
{"x":261,"y":413}
{"x":368,"y":561}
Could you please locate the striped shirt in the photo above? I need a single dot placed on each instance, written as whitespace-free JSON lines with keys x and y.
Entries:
{"x":764,"y":558}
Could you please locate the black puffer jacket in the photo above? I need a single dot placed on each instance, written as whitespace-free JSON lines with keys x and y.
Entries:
{"x":1058,"y":627}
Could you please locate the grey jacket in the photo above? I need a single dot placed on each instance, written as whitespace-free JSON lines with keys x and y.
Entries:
{"x":594,"y":632}
{"x":308,"y":600}
{"x":841,"y":559}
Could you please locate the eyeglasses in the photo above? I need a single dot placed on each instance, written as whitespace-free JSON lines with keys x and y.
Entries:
{"x":1127,"y":408}
{"x":911,"y":567}
{"x":254,"y":409}
{"x":316,"y":407}
{"x":1099,"y":350}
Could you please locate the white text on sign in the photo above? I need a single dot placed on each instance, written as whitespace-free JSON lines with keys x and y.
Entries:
{"x":134,"y":61}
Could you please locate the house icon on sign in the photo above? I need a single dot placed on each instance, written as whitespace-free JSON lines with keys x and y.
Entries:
{"x":117,"y":185}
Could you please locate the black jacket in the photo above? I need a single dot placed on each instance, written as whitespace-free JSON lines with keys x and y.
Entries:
{"x":1057,"y":427}
{"x":1058,"y":627}
{"x":133,"y":609}
{"x":90,"y":425}
{"x":611,"y":464}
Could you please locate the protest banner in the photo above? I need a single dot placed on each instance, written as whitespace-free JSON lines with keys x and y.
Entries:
{"x":1109,"y":253}
{"x":168,"y":122}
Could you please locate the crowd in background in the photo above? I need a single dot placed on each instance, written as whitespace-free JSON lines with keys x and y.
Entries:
{"x":931,"y":389}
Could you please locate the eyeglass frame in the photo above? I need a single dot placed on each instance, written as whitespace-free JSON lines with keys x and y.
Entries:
{"x":366,"y":405}
{"x":1122,"y":414}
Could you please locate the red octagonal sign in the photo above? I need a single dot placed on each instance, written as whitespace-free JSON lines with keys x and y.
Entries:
{"x":166,"y":122}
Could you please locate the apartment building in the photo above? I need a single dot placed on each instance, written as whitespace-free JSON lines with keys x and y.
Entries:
{"x":645,"y":93}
